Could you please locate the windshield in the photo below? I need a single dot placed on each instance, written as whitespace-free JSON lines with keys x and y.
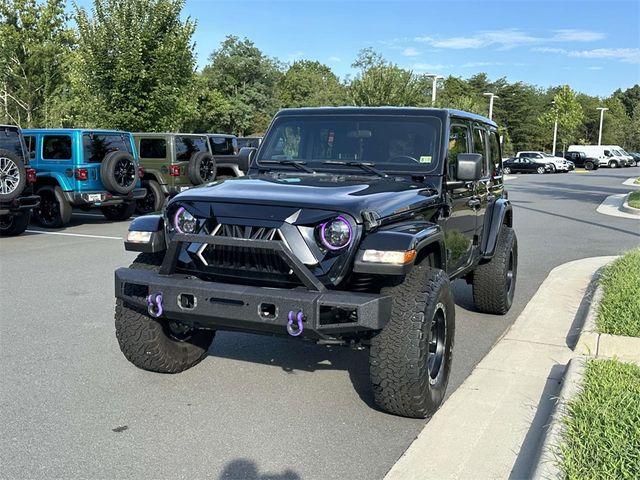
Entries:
{"x":392,"y":143}
{"x":547,"y":155}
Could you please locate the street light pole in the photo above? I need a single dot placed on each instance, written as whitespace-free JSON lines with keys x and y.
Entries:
{"x":491,"y":97}
{"x":555,"y":130}
{"x":602,"y":110}
{"x":434,"y":85}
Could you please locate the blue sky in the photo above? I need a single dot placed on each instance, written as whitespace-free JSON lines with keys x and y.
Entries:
{"x":592,"y":46}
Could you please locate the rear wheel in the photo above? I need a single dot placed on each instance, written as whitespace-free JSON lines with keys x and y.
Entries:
{"x":540,"y":170}
{"x":158,"y":344}
{"x":588,"y":165}
{"x":120,"y":212}
{"x":53,"y":211}
{"x":12,"y":225}
{"x":410,"y":359}
{"x":494,"y":283}
{"x":153,"y":200}
{"x":613,"y":164}
{"x":506,"y":170}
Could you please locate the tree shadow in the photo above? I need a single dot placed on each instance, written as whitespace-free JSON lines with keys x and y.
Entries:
{"x":245,"y":469}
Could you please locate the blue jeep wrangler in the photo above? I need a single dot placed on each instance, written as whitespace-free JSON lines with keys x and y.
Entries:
{"x":85,"y":169}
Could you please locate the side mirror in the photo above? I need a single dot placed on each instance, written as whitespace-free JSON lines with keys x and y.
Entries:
{"x":469,"y":167}
{"x":245,"y":157}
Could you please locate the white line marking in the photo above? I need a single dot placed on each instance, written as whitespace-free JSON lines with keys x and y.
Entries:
{"x":74,"y":234}
{"x":88,"y":214}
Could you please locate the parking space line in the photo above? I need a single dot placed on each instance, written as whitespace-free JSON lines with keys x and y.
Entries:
{"x":86,"y":235}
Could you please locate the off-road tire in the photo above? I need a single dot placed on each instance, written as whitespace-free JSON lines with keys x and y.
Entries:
{"x":147,"y":342}
{"x":119,"y":212}
{"x":202,"y":168}
{"x":588,"y":165}
{"x":14,"y":224}
{"x":119,"y":172}
{"x":13,"y":175}
{"x":494,"y":282}
{"x":153,"y":200}
{"x":53,"y":211}
{"x":399,"y":356}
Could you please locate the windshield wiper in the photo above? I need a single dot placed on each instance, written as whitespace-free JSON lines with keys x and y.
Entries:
{"x":293,"y":163}
{"x":363,"y":165}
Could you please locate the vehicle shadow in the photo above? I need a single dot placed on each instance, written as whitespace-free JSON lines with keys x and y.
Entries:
{"x":293,"y":355}
{"x":530,"y":450}
{"x":245,"y":469}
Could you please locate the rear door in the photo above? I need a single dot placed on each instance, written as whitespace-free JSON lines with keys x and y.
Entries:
{"x":95,"y":147}
{"x":154,"y":156}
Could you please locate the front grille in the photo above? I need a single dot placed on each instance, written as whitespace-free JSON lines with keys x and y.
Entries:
{"x":242,"y":260}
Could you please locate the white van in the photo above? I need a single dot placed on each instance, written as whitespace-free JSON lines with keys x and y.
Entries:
{"x":605,"y":154}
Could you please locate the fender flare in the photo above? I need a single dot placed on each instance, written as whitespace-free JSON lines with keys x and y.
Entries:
{"x":147,"y":223}
{"x":499,"y":213}
{"x":65,"y":182}
{"x":420,"y":236}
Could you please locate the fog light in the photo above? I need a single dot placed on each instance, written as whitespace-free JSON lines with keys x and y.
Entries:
{"x":139,"y":237}
{"x":389,"y":257}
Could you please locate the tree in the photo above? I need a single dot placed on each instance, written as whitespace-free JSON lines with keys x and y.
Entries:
{"x":382,"y":83}
{"x":310,"y":84}
{"x":630,"y":98}
{"x":135,"y":64}
{"x":245,"y":79}
{"x":615,"y":122}
{"x":35,"y":52}
{"x":567,"y":111}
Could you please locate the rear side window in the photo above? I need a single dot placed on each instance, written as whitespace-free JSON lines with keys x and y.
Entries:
{"x":56,"y":147}
{"x":458,"y":143}
{"x":30,"y":141}
{"x":10,"y":140}
{"x":187,"y":146}
{"x":153,"y":148}
{"x":223,"y":145}
{"x":97,"y":146}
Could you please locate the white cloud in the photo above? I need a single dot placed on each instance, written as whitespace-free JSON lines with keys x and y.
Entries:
{"x":626,"y":55}
{"x":549,"y":50}
{"x":424,"y":67}
{"x":570,"y":35}
{"x":410,"y":52}
{"x":335,"y":59}
{"x":595,"y":68}
{"x":479,"y":64}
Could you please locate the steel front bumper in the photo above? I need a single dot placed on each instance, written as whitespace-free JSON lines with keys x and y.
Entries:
{"x":225,"y":306}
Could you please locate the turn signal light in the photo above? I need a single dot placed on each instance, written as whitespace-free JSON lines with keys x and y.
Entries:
{"x":31,"y":175}
{"x":140,"y":172}
{"x":174,"y":170}
{"x":389,"y":257}
{"x":82,"y":174}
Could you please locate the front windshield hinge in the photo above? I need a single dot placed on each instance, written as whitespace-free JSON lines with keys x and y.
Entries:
{"x":371,"y":219}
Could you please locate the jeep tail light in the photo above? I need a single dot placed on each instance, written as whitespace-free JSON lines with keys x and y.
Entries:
{"x":31,"y":175}
{"x":174,"y":170}
{"x":82,"y":174}
{"x":140,"y":172}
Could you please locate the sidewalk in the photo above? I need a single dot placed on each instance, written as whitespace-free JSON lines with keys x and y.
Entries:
{"x":492,"y":426}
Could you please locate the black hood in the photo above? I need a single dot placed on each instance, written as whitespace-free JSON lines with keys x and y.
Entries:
{"x":339,"y":193}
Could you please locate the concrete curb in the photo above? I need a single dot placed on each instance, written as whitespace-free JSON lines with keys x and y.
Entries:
{"x":628,"y":209}
{"x":548,"y":465}
{"x":630,"y":181}
{"x":611,"y":206}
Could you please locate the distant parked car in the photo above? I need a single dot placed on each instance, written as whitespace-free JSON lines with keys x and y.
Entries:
{"x":636,"y":158}
{"x":16,"y":182}
{"x":581,"y":160}
{"x":526,"y":165}
{"x":249,"y":142}
{"x":558,"y":164}
{"x":83,"y":168}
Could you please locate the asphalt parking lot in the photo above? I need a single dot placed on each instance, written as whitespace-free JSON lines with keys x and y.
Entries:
{"x":258,"y":407}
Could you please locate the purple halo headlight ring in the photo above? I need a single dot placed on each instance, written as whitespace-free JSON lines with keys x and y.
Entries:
{"x":336,"y":234}
{"x":184,"y":222}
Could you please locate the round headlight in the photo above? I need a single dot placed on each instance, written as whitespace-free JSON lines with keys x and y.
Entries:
{"x":336,"y":234}
{"x":184,"y":222}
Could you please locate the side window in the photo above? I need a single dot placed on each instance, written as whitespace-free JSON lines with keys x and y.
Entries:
{"x":458,"y":143}
{"x":479,"y":146}
{"x":495,"y":156}
{"x":56,"y":147}
{"x":30,"y":141}
{"x":153,"y":148}
{"x":187,"y":146}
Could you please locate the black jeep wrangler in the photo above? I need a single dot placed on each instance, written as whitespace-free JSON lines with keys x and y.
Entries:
{"x":16,"y":182}
{"x":349,"y":229}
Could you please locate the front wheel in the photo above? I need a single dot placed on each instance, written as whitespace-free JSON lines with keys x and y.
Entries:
{"x":410,"y":359}
{"x":553,"y":168}
{"x":613,"y":164}
{"x":494,"y":283}
{"x":120,"y":212}
{"x":158,"y":344}
{"x":540,"y":170}
{"x":12,"y":225}
{"x":589,"y":166}
{"x":153,"y":200}
{"x":506,"y":170}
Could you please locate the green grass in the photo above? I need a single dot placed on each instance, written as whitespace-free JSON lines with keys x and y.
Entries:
{"x":619,"y":311}
{"x":602,"y":435}
{"x":637,"y":180}
{"x":634,"y":199}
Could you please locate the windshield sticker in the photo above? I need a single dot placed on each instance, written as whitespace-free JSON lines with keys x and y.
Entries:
{"x":425,"y":159}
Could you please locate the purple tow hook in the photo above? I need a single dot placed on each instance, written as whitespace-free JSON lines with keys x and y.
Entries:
{"x":291,"y":330}
{"x":154,"y":305}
